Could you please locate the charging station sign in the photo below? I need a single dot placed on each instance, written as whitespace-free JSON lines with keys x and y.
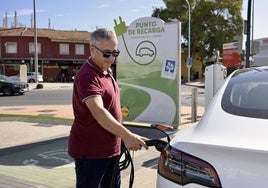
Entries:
{"x":147,"y":69}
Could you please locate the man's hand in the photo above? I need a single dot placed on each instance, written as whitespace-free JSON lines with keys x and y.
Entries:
{"x":134,"y":142}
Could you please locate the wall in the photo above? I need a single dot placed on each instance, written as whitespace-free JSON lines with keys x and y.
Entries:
{"x":196,"y":70}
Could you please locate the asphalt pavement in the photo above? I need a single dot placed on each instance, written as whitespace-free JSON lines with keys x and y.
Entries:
{"x":33,"y":151}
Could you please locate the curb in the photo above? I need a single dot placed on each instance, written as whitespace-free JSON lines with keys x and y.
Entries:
{"x":50,"y":86}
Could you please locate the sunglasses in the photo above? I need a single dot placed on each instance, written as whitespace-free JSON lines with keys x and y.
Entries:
{"x":108,"y":53}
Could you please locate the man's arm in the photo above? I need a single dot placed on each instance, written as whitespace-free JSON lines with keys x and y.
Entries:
{"x":107,"y":121}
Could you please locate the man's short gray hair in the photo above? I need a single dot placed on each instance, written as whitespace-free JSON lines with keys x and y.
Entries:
{"x":101,"y":34}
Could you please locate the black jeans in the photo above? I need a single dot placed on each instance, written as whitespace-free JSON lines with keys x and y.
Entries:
{"x":96,"y":173}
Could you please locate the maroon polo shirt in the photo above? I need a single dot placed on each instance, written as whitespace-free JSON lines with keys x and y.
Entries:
{"x":88,"y":138}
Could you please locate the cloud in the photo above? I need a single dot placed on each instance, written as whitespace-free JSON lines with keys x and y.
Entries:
{"x":59,"y":15}
{"x":21,"y":12}
{"x":25,"y":12}
{"x":104,"y":5}
{"x":139,"y":9}
{"x":135,"y":10}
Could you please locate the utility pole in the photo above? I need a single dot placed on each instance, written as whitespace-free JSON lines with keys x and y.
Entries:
{"x":189,"y":40}
{"x":248,"y":34}
{"x":35,"y":45}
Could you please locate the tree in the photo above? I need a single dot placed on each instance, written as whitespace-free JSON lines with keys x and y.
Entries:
{"x":213,"y":22}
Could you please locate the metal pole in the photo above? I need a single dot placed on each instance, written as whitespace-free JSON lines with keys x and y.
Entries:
{"x":35,"y":45}
{"x":248,"y":34}
{"x":194,"y":104}
{"x":189,"y":37}
{"x":252,"y":30}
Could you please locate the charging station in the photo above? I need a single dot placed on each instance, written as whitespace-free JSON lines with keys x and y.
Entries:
{"x":214,"y":78}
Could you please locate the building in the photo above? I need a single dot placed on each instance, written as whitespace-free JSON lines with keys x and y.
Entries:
{"x":196,"y":71}
{"x":260,"y":51}
{"x":60,"y":52}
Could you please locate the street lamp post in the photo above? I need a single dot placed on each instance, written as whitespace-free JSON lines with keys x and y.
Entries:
{"x":35,"y":45}
{"x":189,"y":38}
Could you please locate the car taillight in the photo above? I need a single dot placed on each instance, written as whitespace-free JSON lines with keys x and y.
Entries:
{"x":183,"y":169}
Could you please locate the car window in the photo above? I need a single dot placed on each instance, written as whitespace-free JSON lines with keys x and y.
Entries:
{"x":246,"y":94}
{"x":250,"y":96}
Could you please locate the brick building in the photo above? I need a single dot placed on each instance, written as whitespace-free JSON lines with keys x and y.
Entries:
{"x":59,"y":51}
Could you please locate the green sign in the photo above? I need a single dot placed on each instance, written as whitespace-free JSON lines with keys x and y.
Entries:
{"x":147,"y":69}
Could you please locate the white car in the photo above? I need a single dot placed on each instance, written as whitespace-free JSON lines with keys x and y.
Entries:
{"x":30,"y":77}
{"x":228,"y":147}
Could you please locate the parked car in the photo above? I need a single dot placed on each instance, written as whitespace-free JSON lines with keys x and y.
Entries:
{"x":30,"y":77}
{"x":9,"y":86}
{"x":228,"y":147}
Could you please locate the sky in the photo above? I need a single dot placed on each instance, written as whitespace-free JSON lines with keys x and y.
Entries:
{"x":84,"y":15}
{"x":87,"y":15}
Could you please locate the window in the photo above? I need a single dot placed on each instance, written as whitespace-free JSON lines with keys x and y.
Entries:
{"x":79,"y":49}
{"x":11,"y":47}
{"x":64,"y":48}
{"x":246,"y":94}
{"x":32,"y":48}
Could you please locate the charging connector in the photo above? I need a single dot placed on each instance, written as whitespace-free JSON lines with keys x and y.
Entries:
{"x":158,"y":144}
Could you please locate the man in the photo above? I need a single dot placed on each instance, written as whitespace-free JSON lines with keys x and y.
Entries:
{"x":97,"y":130}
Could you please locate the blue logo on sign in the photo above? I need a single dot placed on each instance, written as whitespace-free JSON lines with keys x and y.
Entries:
{"x":170,"y":66}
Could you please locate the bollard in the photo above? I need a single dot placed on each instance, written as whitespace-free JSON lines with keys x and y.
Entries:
{"x":194,"y":104}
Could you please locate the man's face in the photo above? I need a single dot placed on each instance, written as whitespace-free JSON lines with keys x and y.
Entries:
{"x":104,"y":53}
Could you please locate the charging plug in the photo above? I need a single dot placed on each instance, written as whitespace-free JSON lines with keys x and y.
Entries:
{"x":158,"y":144}
{"x":120,"y":28}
